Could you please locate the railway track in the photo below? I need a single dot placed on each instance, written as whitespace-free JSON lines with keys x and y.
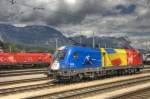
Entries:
{"x":26,"y":88}
{"x":31,"y":80}
{"x":15,"y":86}
{"x":22,"y":72}
{"x":50,"y":90}
{"x":97,"y":89}
{"x":140,"y":94}
{"x":25,"y":85}
{"x":6,"y":83}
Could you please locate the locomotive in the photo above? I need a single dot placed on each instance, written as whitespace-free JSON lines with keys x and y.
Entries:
{"x":24,"y":60}
{"x":76,"y":63}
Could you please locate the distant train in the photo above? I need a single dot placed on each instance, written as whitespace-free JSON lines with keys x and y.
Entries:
{"x":24,"y":60}
{"x":146,"y":58}
{"x":75,"y":63}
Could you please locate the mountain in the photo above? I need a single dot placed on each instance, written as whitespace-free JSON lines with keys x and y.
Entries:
{"x":34,"y":35}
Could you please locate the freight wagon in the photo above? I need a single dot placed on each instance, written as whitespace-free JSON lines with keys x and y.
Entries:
{"x":75,"y":63}
{"x":24,"y":60}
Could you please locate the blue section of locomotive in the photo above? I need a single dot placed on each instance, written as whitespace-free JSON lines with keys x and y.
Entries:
{"x":80,"y":58}
{"x":70,"y":60}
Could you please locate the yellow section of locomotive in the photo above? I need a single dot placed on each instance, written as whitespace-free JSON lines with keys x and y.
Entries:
{"x":117,"y":58}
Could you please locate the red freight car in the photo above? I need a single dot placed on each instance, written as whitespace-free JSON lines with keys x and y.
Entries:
{"x":19,"y":60}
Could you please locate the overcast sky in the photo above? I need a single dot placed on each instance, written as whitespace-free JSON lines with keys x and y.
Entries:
{"x":103,"y":17}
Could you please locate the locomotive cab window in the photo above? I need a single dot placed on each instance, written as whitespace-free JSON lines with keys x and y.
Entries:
{"x":75,"y":55}
{"x":60,"y":55}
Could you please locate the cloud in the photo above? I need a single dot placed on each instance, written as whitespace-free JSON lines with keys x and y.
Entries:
{"x":104,"y":17}
{"x":126,"y":9}
{"x":56,"y":12}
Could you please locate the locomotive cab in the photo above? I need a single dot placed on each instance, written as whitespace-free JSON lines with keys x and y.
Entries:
{"x":59,"y":62}
{"x":58,"y":57}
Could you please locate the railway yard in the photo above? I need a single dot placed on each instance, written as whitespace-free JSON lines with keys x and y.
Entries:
{"x":33,"y":84}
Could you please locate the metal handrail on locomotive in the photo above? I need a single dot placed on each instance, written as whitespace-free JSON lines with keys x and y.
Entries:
{"x":74,"y":62}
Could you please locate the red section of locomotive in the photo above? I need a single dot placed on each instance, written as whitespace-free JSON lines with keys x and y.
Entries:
{"x":133,"y":57}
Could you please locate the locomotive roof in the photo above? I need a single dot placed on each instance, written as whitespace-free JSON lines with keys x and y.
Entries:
{"x":80,"y":47}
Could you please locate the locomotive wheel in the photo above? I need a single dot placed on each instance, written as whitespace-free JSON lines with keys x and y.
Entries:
{"x":118,"y":72}
{"x":132,"y":71}
{"x":137,"y":70}
{"x":77,"y":78}
{"x":123,"y":72}
{"x":126,"y":71}
{"x":93,"y":75}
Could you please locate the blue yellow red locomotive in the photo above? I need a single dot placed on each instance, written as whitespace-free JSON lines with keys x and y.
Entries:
{"x":74,"y":62}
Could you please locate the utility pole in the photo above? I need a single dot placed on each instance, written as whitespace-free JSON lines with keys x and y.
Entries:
{"x":99,"y":45}
{"x":80,"y":39}
{"x":10,"y":49}
{"x":147,"y":45}
{"x":80,"y":36}
{"x":56,"y":41}
{"x":105,"y":45}
{"x":93,"y":40}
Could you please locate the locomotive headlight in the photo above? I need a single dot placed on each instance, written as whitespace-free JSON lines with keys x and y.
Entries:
{"x":55,"y":65}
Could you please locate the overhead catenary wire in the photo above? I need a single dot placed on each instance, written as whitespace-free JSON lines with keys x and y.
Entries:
{"x":58,"y":12}
{"x":44,"y":9}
